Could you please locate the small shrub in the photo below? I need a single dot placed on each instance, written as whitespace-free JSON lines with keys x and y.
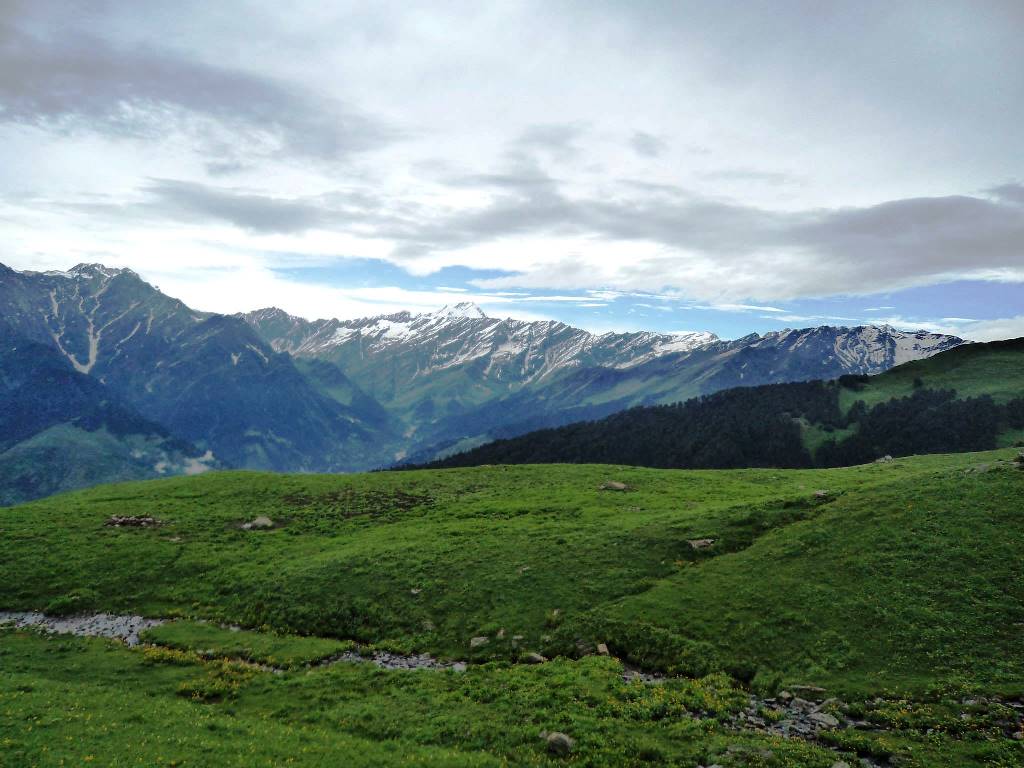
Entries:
{"x":766,"y":682}
{"x":76,"y":601}
{"x":159,"y":655}
{"x":221,"y":682}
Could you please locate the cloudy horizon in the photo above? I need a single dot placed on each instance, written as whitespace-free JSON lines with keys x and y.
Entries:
{"x":667,"y":166}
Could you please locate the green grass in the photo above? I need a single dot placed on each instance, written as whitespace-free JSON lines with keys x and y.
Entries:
{"x":76,"y":701}
{"x":902,"y":580}
{"x":814,"y":435}
{"x":260,"y":647}
{"x":1012,"y":438}
{"x":995,"y":369}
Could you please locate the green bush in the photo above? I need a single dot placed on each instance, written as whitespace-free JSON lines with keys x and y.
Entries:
{"x":76,"y":601}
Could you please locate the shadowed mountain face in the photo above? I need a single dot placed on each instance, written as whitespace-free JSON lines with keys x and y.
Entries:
{"x":61,"y":429}
{"x":207,"y":378}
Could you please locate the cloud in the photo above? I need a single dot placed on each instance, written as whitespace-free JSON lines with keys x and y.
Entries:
{"x":773,"y":178}
{"x":76,"y":80}
{"x":258,"y":213}
{"x":1010,"y":193}
{"x":647,"y":144}
{"x":692,"y":246}
{"x":556,"y":140}
{"x":991,"y":330}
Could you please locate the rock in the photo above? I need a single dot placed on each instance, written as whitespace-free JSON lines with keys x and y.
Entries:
{"x":824,"y":720}
{"x":415,"y":590}
{"x":884,"y":460}
{"x":559,"y":743}
{"x":260,"y":522}
{"x":501,"y":633}
{"x":821,"y":494}
{"x":613,"y":485}
{"x":808,"y":688}
{"x":840,"y":764}
{"x":476,"y":642}
{"x":534,"y":658}
{"x":785,"y":696}
{"x":132,"y":521}
{"x":700,"y":543}
{"x":802,"y":704}
{"x":602,"y":649}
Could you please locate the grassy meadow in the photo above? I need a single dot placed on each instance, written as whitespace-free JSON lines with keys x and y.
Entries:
{"x":895,"y":586}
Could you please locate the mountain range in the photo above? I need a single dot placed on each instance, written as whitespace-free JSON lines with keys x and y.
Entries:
{"x":268,"y":390}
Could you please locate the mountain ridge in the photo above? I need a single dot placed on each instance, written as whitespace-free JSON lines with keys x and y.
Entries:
{"x":269,"y":390}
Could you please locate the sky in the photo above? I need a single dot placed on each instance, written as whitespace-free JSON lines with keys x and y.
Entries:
{"x":720,"y":165}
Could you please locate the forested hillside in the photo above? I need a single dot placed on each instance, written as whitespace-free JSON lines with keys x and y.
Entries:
{"x":967,"y":399}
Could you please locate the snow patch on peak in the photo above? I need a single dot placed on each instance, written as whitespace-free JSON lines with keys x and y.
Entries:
{"x":96,"y":270}
{"x":462,"y":309}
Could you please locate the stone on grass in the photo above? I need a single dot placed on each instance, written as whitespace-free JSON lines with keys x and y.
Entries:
{"x":700,"y":543}
{"x":476,"y":642}
{"x":602,"y":649}
{"x":824,"y":719}
{"x":132,"y":521}
{"x":534,"y":658}
{"x":560,"y":743}
{"x":260,"y":522}
{"x":613,"y":485}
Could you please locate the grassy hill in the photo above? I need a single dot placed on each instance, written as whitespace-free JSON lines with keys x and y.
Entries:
{"x":899,"y":580}
{"x":972,"y":370}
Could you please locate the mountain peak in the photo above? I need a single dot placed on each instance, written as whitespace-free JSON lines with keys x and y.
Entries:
{"x":97,"y":270}
{"x":462,"y":309}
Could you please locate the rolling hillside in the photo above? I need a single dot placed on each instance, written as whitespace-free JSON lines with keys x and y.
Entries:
{"x":894,"y":586}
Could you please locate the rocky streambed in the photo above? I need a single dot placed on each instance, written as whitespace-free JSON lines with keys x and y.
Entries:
{"x":803,"y":712}
{"x":124,"y":628}
{"x":128,"y":628}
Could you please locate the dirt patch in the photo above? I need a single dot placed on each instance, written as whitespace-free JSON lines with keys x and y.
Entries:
{"x":348,"y":503}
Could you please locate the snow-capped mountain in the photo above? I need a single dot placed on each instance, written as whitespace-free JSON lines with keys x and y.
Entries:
{"x":514,"y":351}
{"x":457,"y":374}
{"x":270,"y":390}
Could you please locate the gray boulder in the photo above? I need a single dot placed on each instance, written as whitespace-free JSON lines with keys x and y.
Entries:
{"x":559,"y":743}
